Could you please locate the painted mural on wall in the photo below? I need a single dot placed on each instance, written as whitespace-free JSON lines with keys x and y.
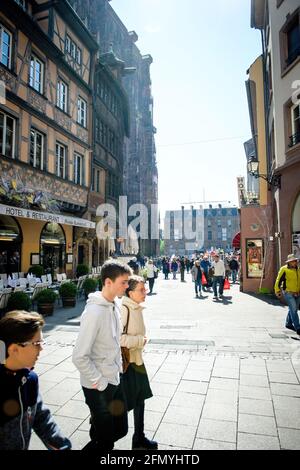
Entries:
{"x":13,"y":191}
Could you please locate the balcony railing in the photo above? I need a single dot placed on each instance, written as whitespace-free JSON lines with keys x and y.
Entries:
{"x":294,"y":139}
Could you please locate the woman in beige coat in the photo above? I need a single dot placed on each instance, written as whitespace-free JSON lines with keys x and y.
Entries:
{"x":135,"y":379}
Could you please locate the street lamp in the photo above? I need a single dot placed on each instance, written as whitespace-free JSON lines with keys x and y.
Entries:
{"x":274,"y":180}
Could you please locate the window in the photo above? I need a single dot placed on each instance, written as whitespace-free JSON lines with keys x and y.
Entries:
{"x":290,"y":40}
{"x":107,"y":96}
{"x":68,"y":45}
{"x":96,"y":180}
{"x":219,"y":223}
{"x":229,"y":222}
{"x":36,"y":74}
{"x":292,"y":114}
{"x":36,"y":149}
{"x":81,"y":112}
{"x":62,"y":95}
{"x":5,"y":46}
{"x":78,"y":169}
{"x":60,"y":161}
{"x":296,"y":119}
{"x":209,"y":223}
{"x":209,"y":235}
{"x":21,"y":3}
{"x":293,"y":42}
{"x":73,"y":50}
{"x":78,"y":56}
{"x":7,"y":135}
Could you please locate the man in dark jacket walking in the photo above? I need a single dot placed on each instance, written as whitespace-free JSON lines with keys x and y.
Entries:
{"x":21,"y":406}
{"x":234,"y":267}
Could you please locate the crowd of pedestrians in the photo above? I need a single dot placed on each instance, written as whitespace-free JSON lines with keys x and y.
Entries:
{"x":106,"y":325}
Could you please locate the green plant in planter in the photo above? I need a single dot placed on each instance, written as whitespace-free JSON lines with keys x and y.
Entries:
{"x":45,"y":300}
{"x":264,"y":290}
{"x":68,"y":291}
{"x":82,"y":270}
{"x":19,"y":301}
{"x":89,"y":285}
{"x":37,"y":270}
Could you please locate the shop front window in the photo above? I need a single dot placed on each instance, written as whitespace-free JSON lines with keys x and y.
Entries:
{"x":53,"y":248}
{"x":254,"y":249}
{"x":10,"y":245}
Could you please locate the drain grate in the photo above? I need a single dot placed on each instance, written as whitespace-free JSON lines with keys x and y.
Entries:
{"x":278,"y":336}
{"x":182,"y":342}
{"x":68,"y":328}
{"x":176,"y":327}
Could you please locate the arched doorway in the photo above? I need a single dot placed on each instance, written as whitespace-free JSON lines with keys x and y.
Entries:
{"x":296,"y":228}
{"x":83,"y":252}
{"x":53,"y":248}
{"x":10,"y":245}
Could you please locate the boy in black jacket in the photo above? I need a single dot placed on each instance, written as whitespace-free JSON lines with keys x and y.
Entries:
{"x":21,"y":406}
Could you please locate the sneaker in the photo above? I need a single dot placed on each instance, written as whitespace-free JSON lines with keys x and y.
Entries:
{"x":298,"y":332}
{"x":145,"y":443}
{"x":290,"y":327}
{"x":215,"y":297}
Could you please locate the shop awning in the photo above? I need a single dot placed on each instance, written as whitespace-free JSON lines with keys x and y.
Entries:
{"x":236,"y":241}
{"x":45,"y":216}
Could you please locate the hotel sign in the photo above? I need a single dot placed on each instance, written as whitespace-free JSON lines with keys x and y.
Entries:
{"x":45,"y":216}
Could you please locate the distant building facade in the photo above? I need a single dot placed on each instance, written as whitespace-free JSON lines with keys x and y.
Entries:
{"x":46,"y":65}
{"x":140,"y":176}
{"x":187,"y":231}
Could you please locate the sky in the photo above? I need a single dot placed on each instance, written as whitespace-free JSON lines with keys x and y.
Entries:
{"x":201,"y":52}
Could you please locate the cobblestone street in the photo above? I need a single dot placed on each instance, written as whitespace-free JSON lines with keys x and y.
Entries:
{"x":224,"y":375}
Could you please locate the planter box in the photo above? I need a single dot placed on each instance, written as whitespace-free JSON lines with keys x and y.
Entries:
{"x":46,"y":309}
{"x":69,"y":301}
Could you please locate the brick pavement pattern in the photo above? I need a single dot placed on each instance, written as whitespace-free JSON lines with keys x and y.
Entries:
{"x":224,"y":375}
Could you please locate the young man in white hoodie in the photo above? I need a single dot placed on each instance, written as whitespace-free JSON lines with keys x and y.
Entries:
{"x":97,"y":356}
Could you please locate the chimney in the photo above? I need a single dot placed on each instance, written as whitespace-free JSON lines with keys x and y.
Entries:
{"x":220,"y":206}
{"x":210,"y":206}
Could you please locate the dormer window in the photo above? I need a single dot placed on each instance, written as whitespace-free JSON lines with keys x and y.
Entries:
{"x":22,"y":4}
{"x":73,"y":50}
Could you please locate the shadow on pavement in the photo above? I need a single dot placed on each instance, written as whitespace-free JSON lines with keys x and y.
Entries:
{"x":226,"y":300}
{"x":268,"y":298}
{"x":64,"y":316}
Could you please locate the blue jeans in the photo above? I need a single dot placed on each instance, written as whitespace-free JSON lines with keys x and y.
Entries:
{"x":293,"y":304}
{"x":218,"y":280}
{"x":234,"y":275}
{"x":198,"y":285}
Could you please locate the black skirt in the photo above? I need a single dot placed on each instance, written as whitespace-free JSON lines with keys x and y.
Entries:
{"x":136,"y":385}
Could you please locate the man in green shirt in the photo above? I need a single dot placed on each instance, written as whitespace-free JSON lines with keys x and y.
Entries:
{"x":287,"y":285}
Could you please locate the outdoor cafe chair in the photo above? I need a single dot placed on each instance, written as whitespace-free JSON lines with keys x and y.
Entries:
{"x":23,"y":282}
{"x":19,"y":288}
{"x":4,"y":296}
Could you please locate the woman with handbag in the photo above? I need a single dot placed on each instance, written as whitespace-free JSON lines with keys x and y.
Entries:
{"x":135,"y":379}
{"x":151,"y":274}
